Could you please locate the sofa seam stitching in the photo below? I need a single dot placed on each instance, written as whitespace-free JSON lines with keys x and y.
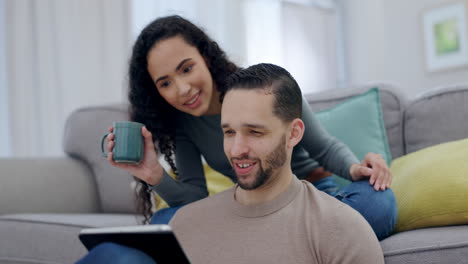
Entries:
{"x":425,"y":249}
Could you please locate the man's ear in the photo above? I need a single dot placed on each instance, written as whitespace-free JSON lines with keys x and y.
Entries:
{"x":296,"y":132}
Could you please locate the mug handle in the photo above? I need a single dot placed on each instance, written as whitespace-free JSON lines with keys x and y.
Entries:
{"x":104,"y":153}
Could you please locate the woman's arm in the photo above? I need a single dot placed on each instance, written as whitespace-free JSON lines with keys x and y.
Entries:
{"x":336,"y":157}
{"x":332,"y":154}
{"x":191,"y":184}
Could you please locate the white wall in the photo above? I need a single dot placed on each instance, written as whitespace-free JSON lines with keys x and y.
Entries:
{"x":299,"y":35}
{"x":296,"y":34}
{"x":65,"y":54}
{"x":264,"y":32}
{"x":61,"y":55}
{"x":223,"y":20}
{"x":5,"y":146}
{"x":385,"y":42}
{"x":310,"y":46}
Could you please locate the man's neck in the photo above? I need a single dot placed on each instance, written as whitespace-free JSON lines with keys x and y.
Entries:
{"x":267,"y":192}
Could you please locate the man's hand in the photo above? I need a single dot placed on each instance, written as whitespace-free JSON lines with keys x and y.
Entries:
{"x":374,"y":167}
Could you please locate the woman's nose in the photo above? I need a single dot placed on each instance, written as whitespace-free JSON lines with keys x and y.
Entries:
{"x":183,"y":88}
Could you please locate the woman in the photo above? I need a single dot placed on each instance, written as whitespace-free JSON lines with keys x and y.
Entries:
{"x":176,"y":78}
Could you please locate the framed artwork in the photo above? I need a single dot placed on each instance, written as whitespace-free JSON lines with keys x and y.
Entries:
{"x":445,"y":37}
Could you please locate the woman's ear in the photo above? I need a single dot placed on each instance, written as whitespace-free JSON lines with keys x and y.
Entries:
{"x":296,"y":132}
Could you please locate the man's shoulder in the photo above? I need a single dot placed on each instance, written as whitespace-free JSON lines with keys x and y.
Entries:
{"x":340,"y":222}
{"x":329,"y":207}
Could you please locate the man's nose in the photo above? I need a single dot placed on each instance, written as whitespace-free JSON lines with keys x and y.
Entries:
{"x":239,"y":147}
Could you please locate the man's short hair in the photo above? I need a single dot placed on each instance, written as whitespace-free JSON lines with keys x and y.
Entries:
{"x":287,"y":103}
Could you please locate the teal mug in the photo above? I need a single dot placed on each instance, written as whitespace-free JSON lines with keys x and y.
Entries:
{"x":128,"y":142}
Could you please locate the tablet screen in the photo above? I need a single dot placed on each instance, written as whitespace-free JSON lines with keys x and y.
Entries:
{"x":158,"y":241}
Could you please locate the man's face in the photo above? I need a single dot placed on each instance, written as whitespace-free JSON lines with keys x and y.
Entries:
{"x":254,"y":138}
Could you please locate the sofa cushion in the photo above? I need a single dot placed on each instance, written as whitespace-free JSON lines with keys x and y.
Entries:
{"x":50,"y":238}
{"x":436,"y":116}
{"x":358,"y":123}
{"x":431,"y":186}
{"x":392,"y":103}
{"x":428,"y":246}
{"x":83,"y":131}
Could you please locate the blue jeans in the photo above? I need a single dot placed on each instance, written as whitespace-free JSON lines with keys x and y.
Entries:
{"x":378,"y":208}
{"x":163,"y":216}
{"x":111,"y":253}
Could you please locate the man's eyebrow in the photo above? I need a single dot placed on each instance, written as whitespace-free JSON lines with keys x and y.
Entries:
{"x":254,"y":125}
{"x":177,"y":68}
{"x":249,"y":125}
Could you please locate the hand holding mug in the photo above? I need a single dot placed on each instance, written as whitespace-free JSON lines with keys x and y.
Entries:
{"x":130,"y":147}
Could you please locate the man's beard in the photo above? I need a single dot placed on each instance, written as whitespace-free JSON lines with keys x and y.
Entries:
{"x":274,"y":160}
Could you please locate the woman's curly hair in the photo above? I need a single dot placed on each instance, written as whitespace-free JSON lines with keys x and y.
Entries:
{"x":147,"y":106}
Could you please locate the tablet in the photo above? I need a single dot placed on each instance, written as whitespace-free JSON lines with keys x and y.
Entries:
{"x":158,"y":241}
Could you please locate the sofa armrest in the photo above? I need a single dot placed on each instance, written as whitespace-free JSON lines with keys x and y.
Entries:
{"x":46,"y":185}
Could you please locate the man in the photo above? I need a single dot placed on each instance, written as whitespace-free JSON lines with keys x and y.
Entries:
{"x":270,"y":216}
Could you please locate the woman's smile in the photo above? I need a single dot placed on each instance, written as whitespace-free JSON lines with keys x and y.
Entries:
{"x":194,"y":101}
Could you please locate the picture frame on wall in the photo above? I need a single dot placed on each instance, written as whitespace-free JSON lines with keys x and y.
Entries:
{"x":445,"y":36}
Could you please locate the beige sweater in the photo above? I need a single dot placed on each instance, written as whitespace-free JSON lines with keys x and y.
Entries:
{"x":302,"y":225}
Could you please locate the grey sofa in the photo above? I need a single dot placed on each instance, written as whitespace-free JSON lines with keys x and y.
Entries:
{"x":45,"y":202}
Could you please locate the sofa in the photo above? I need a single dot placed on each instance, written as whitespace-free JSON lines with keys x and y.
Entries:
{"x":45,"y":202}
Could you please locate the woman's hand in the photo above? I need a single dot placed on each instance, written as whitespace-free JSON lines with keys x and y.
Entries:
{"x":149,"y":169}
{"x":374,"y":167}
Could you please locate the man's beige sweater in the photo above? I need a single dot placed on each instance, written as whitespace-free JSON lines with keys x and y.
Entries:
{"x":301,"y":225}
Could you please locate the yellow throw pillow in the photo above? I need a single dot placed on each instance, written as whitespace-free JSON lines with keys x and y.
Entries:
{"x":215,"y":181}
{"x":431,"y":186}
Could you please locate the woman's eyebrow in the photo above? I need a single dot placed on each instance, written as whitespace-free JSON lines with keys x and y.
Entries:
{"x":182,"y":63}
{"x":177,"y":68}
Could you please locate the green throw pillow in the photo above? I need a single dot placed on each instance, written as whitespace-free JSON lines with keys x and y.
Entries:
{"x":358,"y":123}
{"x":431,"y":186}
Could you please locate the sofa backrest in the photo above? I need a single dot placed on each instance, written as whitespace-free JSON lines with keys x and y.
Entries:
{"x":436,"y":116}
{"x":428,"y":119}
{"x":85,"y":127}
{"x":83,"y":131}
{"x":392,"y":101}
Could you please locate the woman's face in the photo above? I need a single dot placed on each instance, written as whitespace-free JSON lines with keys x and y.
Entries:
{"x":181,"y":76}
